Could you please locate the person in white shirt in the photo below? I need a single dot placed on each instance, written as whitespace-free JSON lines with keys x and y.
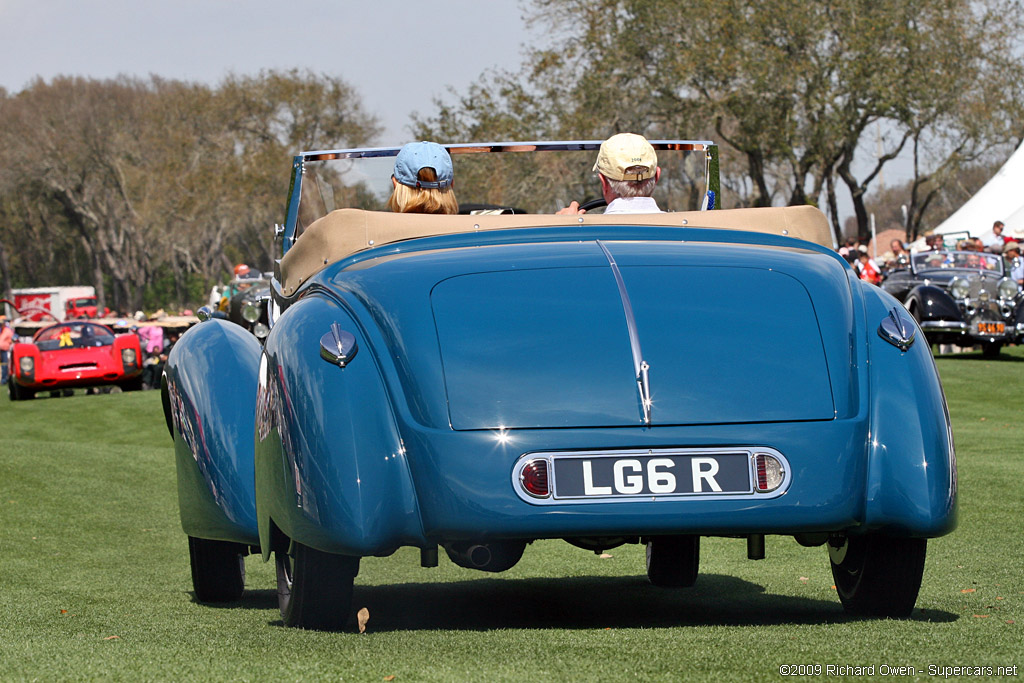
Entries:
{"x":994,"y":237}
{"x":627,"y":167}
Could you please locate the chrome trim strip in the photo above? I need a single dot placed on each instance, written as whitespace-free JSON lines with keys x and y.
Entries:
{"x":487,"y":147}
{"x":749,"y":451}
{"x":640,"y":366}
{"x":944,"y":325}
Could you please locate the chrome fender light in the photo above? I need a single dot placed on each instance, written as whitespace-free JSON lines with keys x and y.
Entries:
{"x":128,"y":356}
{"x":250,"y":313}
{"x":338,"y":346}
{"x":959,"y":288}
{"x":897,"y":329}
{"x":27,"y":364}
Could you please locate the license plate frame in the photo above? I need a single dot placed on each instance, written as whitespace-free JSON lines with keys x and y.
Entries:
{"x":642,"y":475}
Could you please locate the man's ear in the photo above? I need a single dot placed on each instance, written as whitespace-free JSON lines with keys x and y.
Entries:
{"x":657,"y":174}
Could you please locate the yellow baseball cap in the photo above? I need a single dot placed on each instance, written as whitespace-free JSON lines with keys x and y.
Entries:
{"x":624,"y":151}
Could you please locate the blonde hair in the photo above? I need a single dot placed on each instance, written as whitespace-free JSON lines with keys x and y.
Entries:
{"x":405,"y":199}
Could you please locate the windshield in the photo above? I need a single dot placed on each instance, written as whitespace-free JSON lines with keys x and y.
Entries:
{"x":73,"y":336}
{"x":80,"y":303}
{"x":965,"y":260}
{"x":508,"y":177}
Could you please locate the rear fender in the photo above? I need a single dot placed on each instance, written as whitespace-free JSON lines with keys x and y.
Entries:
{"x":331,"y":469}
{"x":209,"y":393}
{"x":911,"y":482}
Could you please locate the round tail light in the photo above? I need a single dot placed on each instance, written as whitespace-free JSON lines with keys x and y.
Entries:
{"x":769,"y":472}
{"x":534,"y":477}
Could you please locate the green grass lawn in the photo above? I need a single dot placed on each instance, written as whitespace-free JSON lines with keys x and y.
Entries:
{"x":95,"y":584}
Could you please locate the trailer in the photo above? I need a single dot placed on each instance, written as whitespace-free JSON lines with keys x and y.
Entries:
{"x":43,"y":303}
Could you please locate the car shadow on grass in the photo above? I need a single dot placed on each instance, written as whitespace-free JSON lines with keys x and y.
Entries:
{"x":585,"y":603}
{"x":977,"y":355}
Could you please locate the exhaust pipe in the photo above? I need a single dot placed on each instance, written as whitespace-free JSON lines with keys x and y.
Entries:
{"x":496,"y":556}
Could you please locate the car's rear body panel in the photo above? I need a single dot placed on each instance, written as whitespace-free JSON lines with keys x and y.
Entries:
{"x":415,"y":441}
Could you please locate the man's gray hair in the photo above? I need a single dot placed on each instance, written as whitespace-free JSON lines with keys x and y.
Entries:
{"x":633,"y":188}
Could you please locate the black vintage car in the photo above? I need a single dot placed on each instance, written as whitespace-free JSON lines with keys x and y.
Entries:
{"x":961,"y":297}
{"x":249,"y":308}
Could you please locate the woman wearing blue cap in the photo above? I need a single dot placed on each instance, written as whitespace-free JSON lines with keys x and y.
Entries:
{"x":423,"y":180}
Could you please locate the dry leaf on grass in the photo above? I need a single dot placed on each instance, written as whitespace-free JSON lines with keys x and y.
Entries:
{"x":112,"y":638}
{"x":63,"y":611}
{"x":362,"y":616}
{"x":389,"y":678}
{"x":804,"y":579}
{"x":606,"y":556}
{"x":981,"y":616}
{"x":968,"y":590}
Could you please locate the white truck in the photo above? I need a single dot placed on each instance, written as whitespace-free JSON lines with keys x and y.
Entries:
{"x":36,"y":302}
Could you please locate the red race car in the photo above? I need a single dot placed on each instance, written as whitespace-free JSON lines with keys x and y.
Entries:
{"x":74,"y":354}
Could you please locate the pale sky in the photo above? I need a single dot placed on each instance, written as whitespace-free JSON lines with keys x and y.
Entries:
{"x":398,"y":54}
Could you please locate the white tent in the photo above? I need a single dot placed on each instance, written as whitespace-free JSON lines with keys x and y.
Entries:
{"x":998,"y":200}
{"x":1015,"y":224}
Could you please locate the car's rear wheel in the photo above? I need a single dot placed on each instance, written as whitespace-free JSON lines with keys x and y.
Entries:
{"x":218,"y":569}
{"x":314,"y":588}
{"x":877,"y":576}
{"x":672,"y":561}
{"x":132,"y":385}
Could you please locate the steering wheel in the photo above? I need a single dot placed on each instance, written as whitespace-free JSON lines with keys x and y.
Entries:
{"x":593,"y":204}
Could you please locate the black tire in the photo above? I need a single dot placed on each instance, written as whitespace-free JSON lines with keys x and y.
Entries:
{"x":877,"y":576}
{"x":990,"y":349}
{"x":132,"y":385}
{"x":672,"y":561}
{"x":314,"y":588}
{"x":18,"y":392}
{"x":218,"y":569}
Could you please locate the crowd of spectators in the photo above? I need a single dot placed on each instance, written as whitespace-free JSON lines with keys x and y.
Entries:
{"x":876,"y":269}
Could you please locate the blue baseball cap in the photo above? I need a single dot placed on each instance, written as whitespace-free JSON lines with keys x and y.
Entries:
{"x":417,"y":155}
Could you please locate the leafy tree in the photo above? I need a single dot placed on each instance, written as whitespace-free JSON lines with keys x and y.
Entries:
{"x":154,"y":186}
{"x":791,"y":88}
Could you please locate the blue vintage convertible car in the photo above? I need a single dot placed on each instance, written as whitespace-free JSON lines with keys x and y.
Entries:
{"x":477,"y":382}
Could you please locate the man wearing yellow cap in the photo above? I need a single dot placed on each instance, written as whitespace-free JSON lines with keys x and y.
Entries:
{"x":627,"y":167}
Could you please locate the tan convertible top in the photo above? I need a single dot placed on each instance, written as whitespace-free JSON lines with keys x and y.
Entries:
{"x":346,"y":231}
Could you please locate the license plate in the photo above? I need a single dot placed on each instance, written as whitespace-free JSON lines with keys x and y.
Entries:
{"x":651,"y":475}
{"x":991,"y":328}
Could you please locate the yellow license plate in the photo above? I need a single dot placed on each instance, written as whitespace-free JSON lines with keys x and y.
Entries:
{"x":991,"y":328}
